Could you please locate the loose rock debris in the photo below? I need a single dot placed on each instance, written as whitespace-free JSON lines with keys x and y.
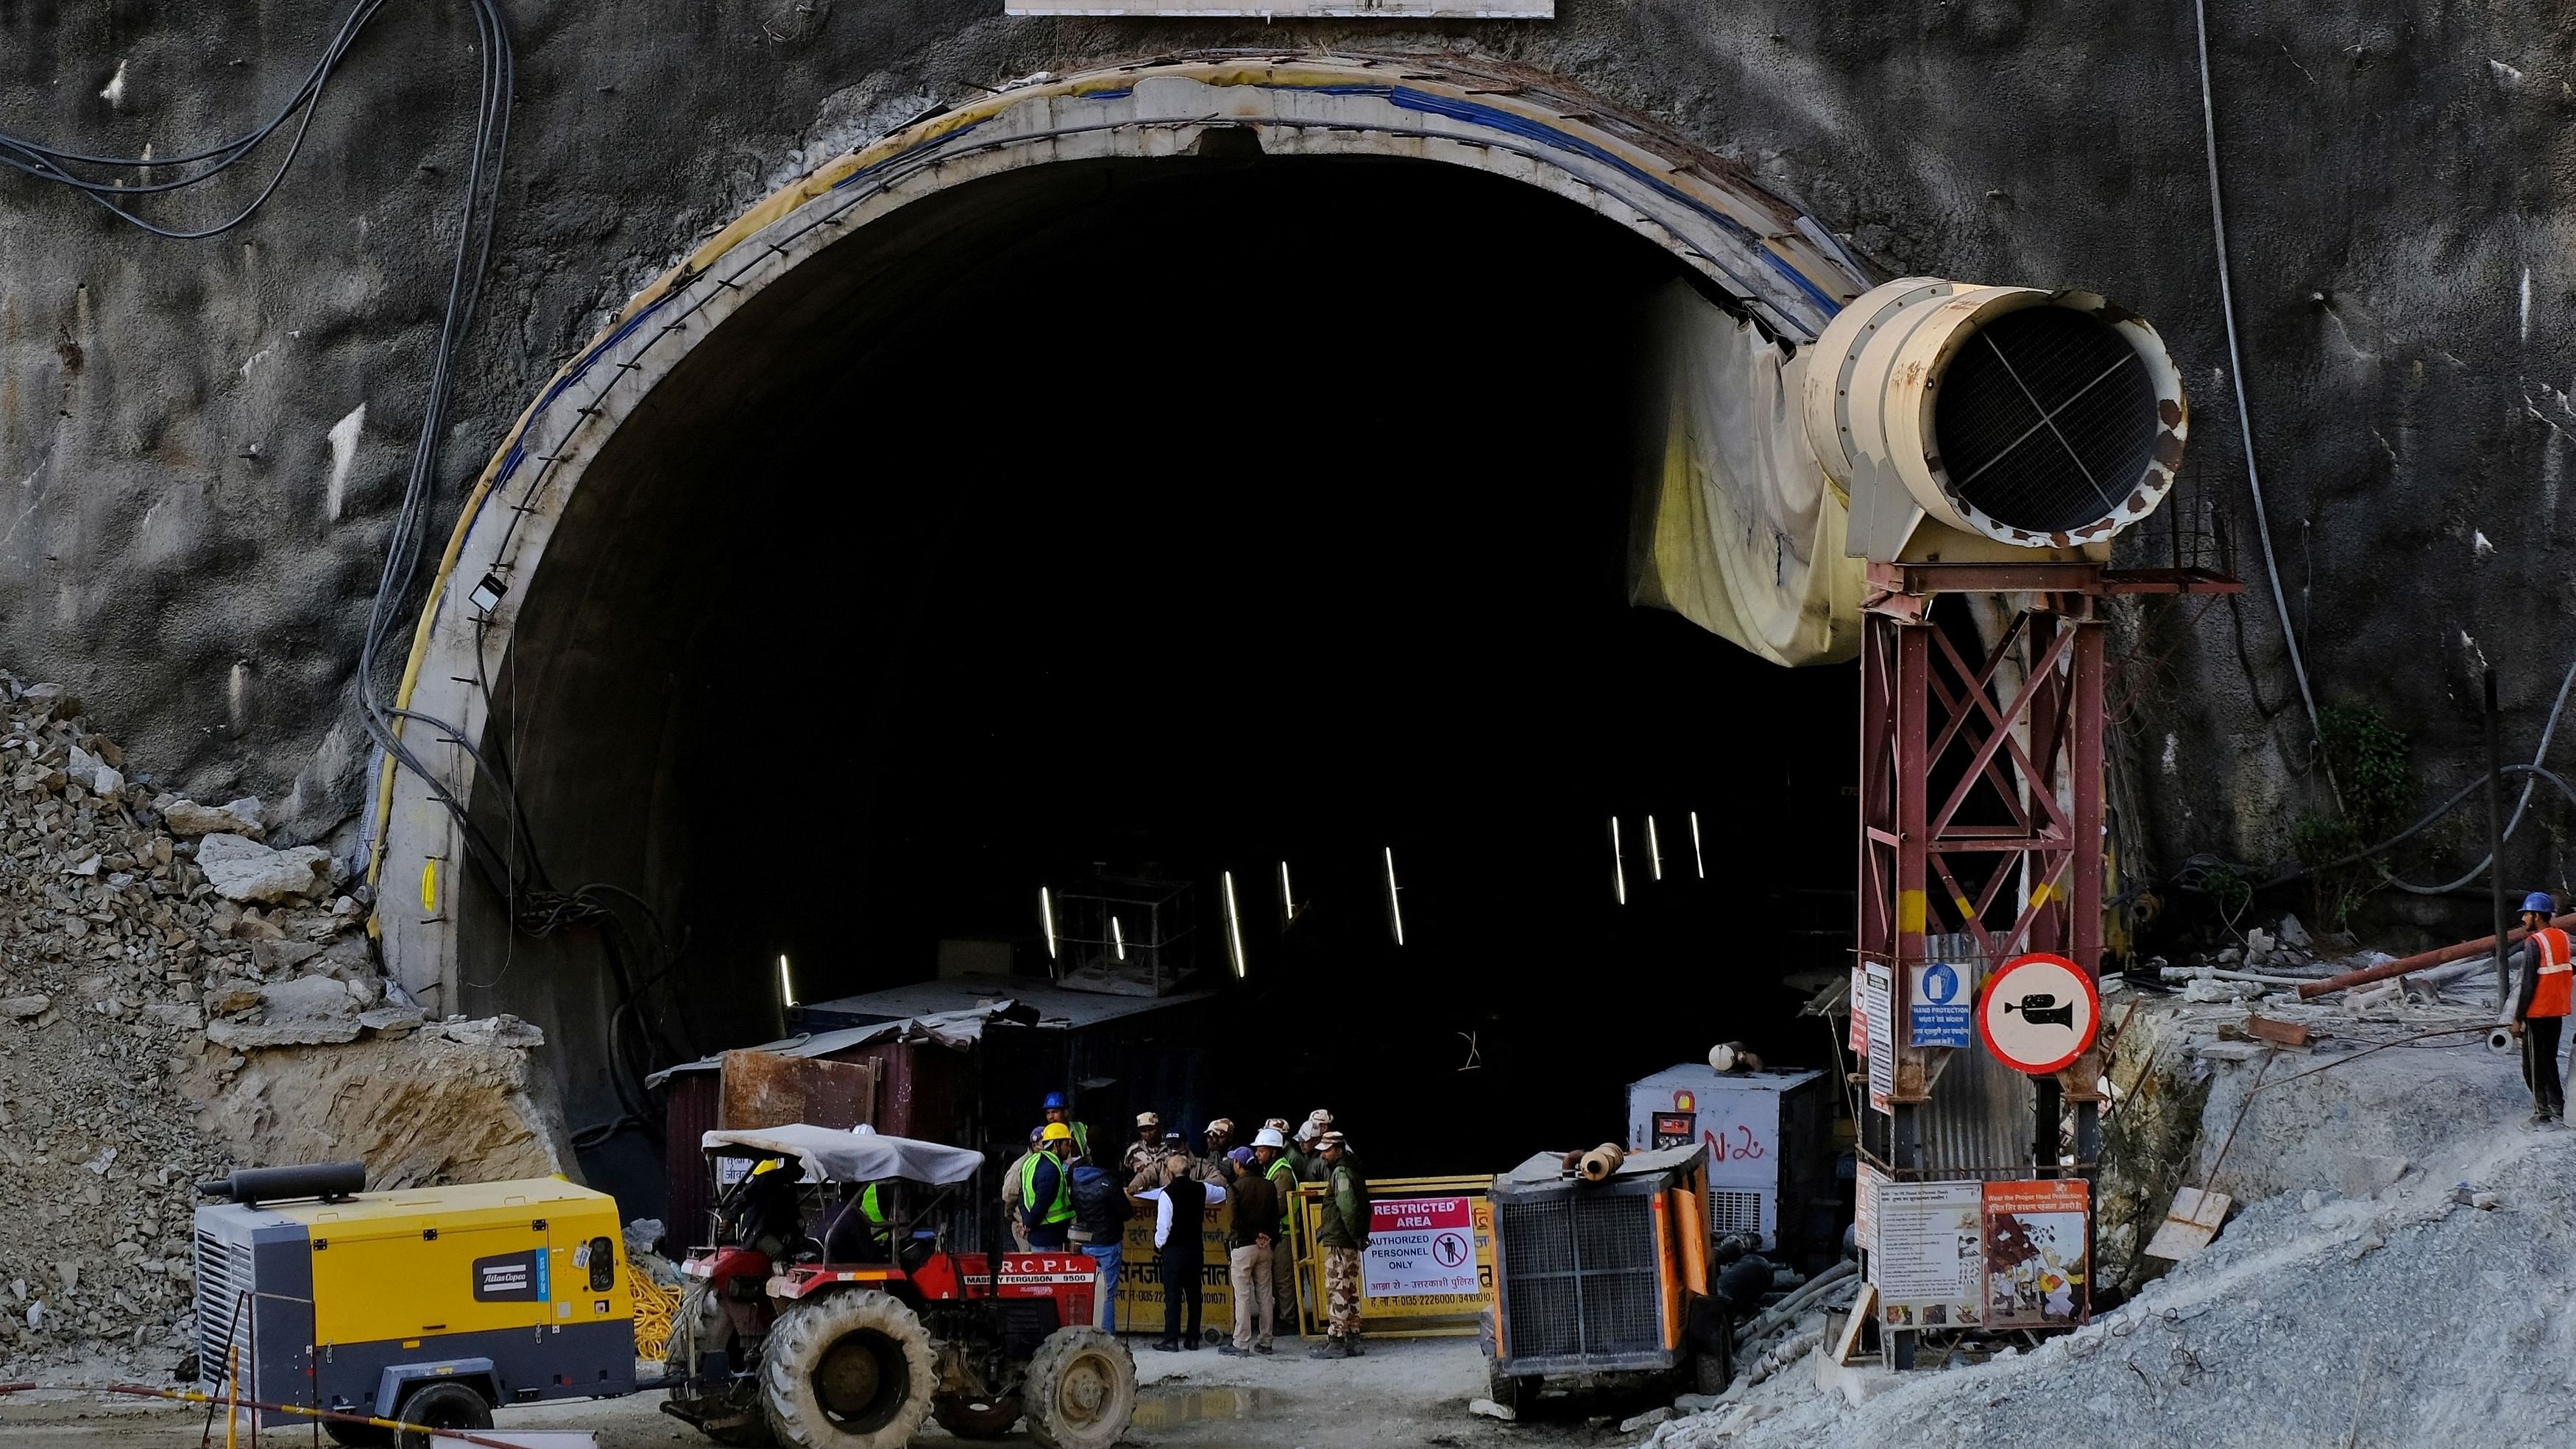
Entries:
{"x":162,"y":969}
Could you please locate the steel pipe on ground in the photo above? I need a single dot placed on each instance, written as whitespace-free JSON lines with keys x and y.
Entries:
{"x":2420,"y":961}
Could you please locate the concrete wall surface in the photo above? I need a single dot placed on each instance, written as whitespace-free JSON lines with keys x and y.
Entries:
{"x":181,"y":542}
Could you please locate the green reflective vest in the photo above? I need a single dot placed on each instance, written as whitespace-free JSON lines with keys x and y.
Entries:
{"x":1059,"y":1211}
{"x":1283,"y":1176}
{"x":875,"y":1214}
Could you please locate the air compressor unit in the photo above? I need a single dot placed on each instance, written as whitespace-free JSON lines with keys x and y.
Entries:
{"x":1768,"y":1134}
{"x":312,"y":1293}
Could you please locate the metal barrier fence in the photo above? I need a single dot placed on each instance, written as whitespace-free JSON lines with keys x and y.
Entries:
{"x":1429,"y":1269}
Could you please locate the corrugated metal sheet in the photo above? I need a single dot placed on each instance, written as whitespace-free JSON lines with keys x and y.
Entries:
{"x":1980,"y":1117}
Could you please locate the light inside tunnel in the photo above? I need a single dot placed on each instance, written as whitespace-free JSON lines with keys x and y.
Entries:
{"x":936,"y":579}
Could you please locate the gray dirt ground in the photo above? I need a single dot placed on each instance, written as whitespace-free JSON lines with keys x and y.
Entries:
{"x":1401,"y":1393}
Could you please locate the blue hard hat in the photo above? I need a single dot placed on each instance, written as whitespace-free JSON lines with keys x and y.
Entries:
{"x":1053,"y":1103}
{"x":2540,"y":901}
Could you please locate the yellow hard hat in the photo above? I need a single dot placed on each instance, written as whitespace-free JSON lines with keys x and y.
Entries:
{"x":1058,"y":1132}
{"x":768,"y":1164}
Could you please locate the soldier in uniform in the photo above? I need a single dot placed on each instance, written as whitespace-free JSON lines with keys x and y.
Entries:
{"x":1147,"y":1149}
{"x":1342,"y":1235}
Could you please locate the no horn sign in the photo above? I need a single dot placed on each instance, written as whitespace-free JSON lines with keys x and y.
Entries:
{"x":2039,"y":1013}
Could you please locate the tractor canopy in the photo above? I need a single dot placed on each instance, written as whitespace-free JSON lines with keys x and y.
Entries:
{"x":832,"y":1154}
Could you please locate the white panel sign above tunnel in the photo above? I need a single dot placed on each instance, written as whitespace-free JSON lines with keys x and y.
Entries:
{"x":1274,"y":9}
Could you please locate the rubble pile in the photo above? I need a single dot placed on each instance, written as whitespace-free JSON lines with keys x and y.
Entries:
{"x":173,"y":990}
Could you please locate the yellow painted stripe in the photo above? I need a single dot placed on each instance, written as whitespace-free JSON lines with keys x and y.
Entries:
{"x":1909,"y":912}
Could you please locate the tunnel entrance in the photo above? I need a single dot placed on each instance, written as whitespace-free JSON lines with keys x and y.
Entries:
{"x":1170,"y":518}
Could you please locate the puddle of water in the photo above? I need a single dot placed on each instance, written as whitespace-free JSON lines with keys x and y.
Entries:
{"x":1195,"y":1406}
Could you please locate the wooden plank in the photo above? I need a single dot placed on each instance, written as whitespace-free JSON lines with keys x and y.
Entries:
{"x":1862,"y":1307}
{"x":2191,"y":1222}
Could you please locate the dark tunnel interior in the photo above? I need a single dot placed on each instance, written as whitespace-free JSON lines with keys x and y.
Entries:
{"x":1179,"y":518}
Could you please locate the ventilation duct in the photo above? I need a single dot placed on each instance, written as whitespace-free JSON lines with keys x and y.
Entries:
{"x":2039,"y":420}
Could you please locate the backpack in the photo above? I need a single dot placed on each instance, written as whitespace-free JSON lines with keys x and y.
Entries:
{"x":1099,"y":1208}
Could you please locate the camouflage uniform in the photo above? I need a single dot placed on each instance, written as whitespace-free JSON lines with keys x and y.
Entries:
{"x":1141,"y":1155}
{"x":1342,"y":1234}
{"x":1342,"y":1292}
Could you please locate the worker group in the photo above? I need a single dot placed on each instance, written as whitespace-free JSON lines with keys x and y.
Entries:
{"x":1065,"y":1193}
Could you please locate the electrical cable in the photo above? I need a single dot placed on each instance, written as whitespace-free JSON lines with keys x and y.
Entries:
{"x":2200,"y":864}
{"x":2245,"y":419}
{"x":2530,"y":782}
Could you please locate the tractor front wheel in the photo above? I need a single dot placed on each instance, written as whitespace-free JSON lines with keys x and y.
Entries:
{"x":976,"y":1418}
{"x":848,"y":1370}
{"x":1081,"y":1390}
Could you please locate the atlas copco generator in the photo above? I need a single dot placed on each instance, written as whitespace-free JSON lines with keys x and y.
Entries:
{"x":426,"y":1305}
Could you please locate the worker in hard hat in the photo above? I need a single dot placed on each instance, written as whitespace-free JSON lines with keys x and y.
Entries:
{"x":2536,"y":1008}
{"x":1147,"y":1149}
{"x":1046,"y":1202}
{"x":1059,"y":1111}
{"x":1270,"y":1156}
{"x":1309,"y":1167}
{"x":1342,"y":1233}
{"x":1015,"y":1182}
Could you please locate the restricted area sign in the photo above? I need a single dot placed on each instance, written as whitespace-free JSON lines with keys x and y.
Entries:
{"x":2039,"y":1013}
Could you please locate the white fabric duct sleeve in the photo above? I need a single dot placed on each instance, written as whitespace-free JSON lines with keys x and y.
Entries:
{"x":1737,"y":528}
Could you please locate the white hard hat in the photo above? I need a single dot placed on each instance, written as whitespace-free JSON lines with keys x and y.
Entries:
{"x":1269,"y":1137}
{"x":1310,"y":1131}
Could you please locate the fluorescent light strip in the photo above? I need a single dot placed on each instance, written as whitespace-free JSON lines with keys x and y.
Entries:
{"x":1394,"y":907}
{"x":1618,"y":864}
{"x":1233,"y":925}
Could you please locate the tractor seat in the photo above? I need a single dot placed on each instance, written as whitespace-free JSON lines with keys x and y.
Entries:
{"x":916,"y":1251}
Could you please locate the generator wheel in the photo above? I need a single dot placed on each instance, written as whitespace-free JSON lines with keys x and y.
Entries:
{"x":976,"y":1418}
{"x":699,"y":1325}
{"x":442,"y":1406}
{"x":849,"y":1370}
{"x":1081,"y":1390}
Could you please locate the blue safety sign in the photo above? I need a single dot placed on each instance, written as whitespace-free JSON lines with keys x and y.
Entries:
{"x":1936,"y":1011}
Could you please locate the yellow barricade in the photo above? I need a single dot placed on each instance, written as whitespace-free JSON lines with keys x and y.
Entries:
{"x":1431,"y":1235}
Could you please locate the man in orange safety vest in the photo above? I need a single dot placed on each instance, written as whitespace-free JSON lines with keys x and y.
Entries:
{"x":2544,"y":976}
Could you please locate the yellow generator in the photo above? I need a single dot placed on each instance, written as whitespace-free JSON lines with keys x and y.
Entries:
{"x":431,"y":1305}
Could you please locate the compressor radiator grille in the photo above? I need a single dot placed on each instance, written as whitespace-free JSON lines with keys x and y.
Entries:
{"x":223,"y":1277}
{"x":1580,"y":1275}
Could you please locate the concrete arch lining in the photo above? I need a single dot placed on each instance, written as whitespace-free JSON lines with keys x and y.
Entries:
{"x":1760,"y":258}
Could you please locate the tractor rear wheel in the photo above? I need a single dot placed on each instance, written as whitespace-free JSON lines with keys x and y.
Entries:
{"x":849,"y":1370}
{"x":1081,"y":1390}
{"x":699,"y":1326}
{"x":976,"y":1418}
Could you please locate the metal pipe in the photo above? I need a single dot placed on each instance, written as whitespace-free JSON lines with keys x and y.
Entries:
{"x":2495,"y":838}
{"x":2420,"y":961}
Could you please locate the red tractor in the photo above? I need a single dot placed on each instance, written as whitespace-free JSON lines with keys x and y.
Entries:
{"x":850,"y":1340}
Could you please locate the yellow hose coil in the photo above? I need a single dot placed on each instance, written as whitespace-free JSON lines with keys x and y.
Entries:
{"x":654,"y":1307}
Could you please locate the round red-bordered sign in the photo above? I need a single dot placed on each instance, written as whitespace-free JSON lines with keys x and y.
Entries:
{"x":2039,"y":1013}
